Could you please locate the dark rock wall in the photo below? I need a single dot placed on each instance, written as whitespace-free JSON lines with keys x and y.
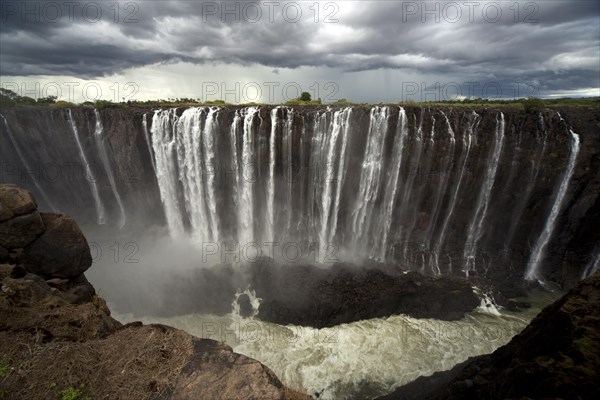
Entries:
{"x":531,"y":166}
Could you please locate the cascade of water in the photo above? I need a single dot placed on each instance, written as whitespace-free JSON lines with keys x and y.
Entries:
{"x":248,"y":169}
{"x":100,"y":210}
{"x":467,"y":139}
{"x":163,"y":144}
{"x":234,"y":134}
{"x":194,"y":134}
{"x":593,"y":265}
{"x":101,"y":144}
{"x":315,"y":179}
{"x":332,"y":159}
{"x":444,"y":171}
{"x":271,"y":182}
{"x":148,"y":141}
{"x":406,"y":208}
{"x":380,"y":248}
{"x":370,"y":176}
{"x":288,"y":167}
{"x":537,"y":255}
{"x":476,"y":225}
{"x":26,"y":164}
{"x":341,"y":170}
{"x":533,"y":173}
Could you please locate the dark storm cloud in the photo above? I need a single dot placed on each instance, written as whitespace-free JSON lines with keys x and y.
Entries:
{"x":554,"y":43}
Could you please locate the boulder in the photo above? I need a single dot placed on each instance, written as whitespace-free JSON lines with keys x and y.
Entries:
{"x":25,"y":292}
{"x":79,"y":290}
{"x":216,"y":372}
{"x":16,"y":200}
{"x":21,"y":230}
{"x":61,"y":252}
{"x":5,"y":212}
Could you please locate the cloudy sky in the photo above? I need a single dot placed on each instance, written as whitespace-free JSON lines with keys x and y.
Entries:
{"x":241,"y":51}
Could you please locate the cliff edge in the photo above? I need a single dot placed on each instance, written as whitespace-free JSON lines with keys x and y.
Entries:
{"x":57,"y":338}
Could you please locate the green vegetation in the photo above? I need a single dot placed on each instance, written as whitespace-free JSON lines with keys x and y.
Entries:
{"x":73,"y":393}
{"x":529,"y":104}
{"x":8,"y":98}
{"x":5,"y":369}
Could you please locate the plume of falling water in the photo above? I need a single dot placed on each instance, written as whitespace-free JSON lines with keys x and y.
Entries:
{"x":476,"y":226}
{"x":100,"y":210}
{"x":537,"y":255}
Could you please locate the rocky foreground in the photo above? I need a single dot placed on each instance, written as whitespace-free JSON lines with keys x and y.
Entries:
{"x":556,"y":357}
{"x":57,"y":338}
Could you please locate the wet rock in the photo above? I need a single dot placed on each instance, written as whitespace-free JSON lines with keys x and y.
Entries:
{"x":245,"y":305}
{"x":61,"y":251}
{"x":21,"y":231}
{"x":16,"y":200}
{"x":556,"y":356}
{"x":322,"y":297}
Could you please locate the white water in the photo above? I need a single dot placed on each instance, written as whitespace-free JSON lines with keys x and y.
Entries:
{"x":524,"y":198}
{"x":442,"y":184}
{"x":271,"y":182}
{"x":100,"y":143}
{"x":363,"y":359}
{"x":26,"y":164}
{"x":537,"y":255}
{"x":380,"y":248}
{"x":370,"y":177}
{"x":475,"y":228}
{"x":148,"y":140}
{"x":248,"y":172}
{"x":100,"y":210}
{"x":592,"y":266}
{"x":466,"y":148}
{"x":163,"y":144}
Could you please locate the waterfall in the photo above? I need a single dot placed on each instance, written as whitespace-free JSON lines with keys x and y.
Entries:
{"x":148,"y":141}
{"x":194,"y":134}
{"x":163,"y":144}
{"x":380,"y":248}
{"x":537,"y":255}
{"x":271,"y":182}
{"x":409,"y":210}
{"x":248,"y":178}
{"x":593,"y":265}
{"x":467,"y":140}
{"x":370,"y":176}
{"x":389,"y":183}
{"x":100,"y":210}
{"x":334,"y":163}
{"x":100,"y":142}
{"x":442,"y":184}
{"x":26,"y":164}
{"x":476,"y":226}
{"x":524,"y":198}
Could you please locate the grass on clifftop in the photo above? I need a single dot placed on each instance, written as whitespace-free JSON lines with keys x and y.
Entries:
{"x":9,"y":98}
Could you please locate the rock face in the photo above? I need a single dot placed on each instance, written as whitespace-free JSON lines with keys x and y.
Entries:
{"x":317,"y":297}
{"x":61,"y":251}
{"x":47,"y":244}
{"x":556,"y":356}
{"x":240,"y":377}
{"x":56,"y":334}
{"x":530,"y":168}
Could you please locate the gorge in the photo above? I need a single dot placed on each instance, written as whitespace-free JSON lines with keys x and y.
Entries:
{"x":214,"y":205}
